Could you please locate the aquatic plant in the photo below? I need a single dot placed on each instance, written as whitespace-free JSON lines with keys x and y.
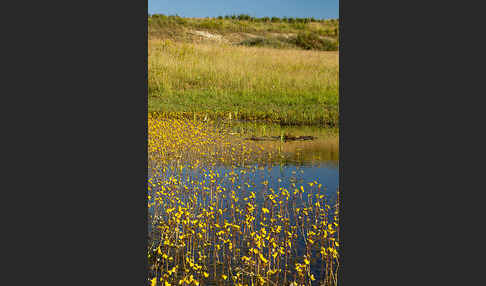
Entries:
{"x":217,"y":217}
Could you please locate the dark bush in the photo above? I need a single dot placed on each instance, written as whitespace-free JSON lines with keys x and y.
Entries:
{"x":266,"y":42}
{"x":210,"y":24}
{"x":244,"y":17}
{"x":312,"y":41}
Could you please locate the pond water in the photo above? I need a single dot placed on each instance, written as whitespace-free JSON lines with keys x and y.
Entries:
{"x":305,"y":171}
{"x":303,"y":161}
{"x":316,"y":159}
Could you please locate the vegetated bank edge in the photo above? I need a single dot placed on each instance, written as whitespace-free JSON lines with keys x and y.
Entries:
{"x":300,"y":33}
{"x":259,"y":117}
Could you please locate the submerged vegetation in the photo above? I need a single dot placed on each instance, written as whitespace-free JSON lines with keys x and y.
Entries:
{"x":217,"y":217}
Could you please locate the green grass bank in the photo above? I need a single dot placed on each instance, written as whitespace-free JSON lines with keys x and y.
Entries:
{"x":211,"y":74}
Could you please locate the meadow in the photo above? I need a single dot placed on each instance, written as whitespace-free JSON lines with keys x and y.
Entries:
{"x":218,"y":80}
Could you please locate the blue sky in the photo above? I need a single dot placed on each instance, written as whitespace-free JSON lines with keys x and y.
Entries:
{"x":256,"y":8}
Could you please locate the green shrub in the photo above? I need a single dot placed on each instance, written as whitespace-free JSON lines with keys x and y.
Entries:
{"x":244,"y":17}
{"x":210,"y":24}
{"x":312,"y":41}
{"x":265,"y":42}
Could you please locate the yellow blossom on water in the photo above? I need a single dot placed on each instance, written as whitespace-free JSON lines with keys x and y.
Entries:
{"x":203,"y":210}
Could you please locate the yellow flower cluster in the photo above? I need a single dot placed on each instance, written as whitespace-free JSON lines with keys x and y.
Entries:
{"x":212,"y":220}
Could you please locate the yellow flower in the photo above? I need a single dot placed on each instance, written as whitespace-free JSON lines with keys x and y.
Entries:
{"x":263,"y":259}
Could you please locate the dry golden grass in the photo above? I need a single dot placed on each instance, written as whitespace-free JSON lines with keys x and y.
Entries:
{"x":240,"y":68}
{"x":292,"y":85}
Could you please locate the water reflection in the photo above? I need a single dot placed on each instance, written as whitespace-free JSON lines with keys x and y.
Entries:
{"x":220,"y":176}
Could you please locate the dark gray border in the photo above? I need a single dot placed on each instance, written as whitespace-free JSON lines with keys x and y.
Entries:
{"x":77,"y":176}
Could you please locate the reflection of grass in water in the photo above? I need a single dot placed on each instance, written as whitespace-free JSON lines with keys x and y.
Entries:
{"x":324,"y":148}
{"x":314,"y":151}
{"x":228,"y":228}
{"x":271,"y":129}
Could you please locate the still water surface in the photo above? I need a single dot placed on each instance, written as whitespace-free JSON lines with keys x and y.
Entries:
{"x":297,"y":164}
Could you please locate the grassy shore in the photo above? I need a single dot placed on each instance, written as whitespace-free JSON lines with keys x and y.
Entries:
{"x":217,"y":79}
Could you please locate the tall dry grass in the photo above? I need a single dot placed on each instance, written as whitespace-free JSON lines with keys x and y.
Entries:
{"x":287,"y":86}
